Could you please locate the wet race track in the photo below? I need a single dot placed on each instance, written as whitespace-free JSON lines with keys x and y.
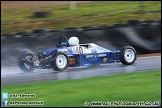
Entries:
{"x":18,"y":77}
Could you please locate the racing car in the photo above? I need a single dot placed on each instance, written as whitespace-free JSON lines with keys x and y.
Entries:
{"x":69,"y":53}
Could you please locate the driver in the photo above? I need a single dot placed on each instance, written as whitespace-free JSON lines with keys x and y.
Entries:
{"x":76,"y":48}
{"x":74,"y":41}
{"x":74,"y":44}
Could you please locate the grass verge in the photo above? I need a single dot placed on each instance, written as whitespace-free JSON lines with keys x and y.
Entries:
{"x":141,"y":86}
{"x":60,"y":13}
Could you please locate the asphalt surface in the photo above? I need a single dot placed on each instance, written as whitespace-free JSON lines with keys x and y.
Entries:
{"x":18,"y":77}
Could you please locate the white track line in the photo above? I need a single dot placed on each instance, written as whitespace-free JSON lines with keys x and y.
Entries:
{"x":147,"y":57}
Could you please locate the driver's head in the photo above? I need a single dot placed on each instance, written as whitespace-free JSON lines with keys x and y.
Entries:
{"x":74,"y":41}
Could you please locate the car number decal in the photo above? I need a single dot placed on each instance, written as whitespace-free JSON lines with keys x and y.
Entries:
{"x":79,"y":50}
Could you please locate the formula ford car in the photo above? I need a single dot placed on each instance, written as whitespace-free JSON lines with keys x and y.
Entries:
{"x":69,"y":53}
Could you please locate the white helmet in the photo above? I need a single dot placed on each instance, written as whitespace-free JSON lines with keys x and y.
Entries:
{"x":74,"y":41}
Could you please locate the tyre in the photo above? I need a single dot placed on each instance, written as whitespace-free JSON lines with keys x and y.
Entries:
{"x":59,"y":61}
{"x":26,"y":66}
{"x":127,"y":55}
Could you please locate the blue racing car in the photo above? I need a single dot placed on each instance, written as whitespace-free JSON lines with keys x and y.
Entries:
{"x":69,"y":53}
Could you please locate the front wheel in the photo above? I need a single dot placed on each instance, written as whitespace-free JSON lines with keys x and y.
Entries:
{"x":26,"y":64}
{"x":128,"y":55}
{"x":59,"y":61}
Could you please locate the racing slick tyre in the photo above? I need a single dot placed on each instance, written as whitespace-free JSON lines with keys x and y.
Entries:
{"x":59,"y":61}
{"x":127,"y":55}
{"x":26,"y":66}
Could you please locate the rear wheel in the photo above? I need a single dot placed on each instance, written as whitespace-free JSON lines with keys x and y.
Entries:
{"x":59,"y":61}
{"x":26,"y":64}
{"x":128,"y":55}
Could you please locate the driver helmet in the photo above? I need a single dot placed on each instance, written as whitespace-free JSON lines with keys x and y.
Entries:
{"x":74,"y":41}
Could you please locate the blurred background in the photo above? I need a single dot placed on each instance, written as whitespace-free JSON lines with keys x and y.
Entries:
{"x":28,"y":15}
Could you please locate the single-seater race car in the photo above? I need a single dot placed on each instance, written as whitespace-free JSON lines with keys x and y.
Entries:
{"x":69,"y":53}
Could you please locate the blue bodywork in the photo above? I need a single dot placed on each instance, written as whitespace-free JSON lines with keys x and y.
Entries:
{"x":88,"y":54}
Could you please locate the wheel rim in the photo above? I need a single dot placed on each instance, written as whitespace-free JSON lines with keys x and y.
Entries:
{"x":28,"y":58}
{"x":129,"y":55}
{"x":61,"y":61}
{"x":27,"y":66}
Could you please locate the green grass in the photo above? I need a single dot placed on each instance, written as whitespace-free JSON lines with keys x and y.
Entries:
{"x":96,"y":8}
{"x":141,"y":86}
